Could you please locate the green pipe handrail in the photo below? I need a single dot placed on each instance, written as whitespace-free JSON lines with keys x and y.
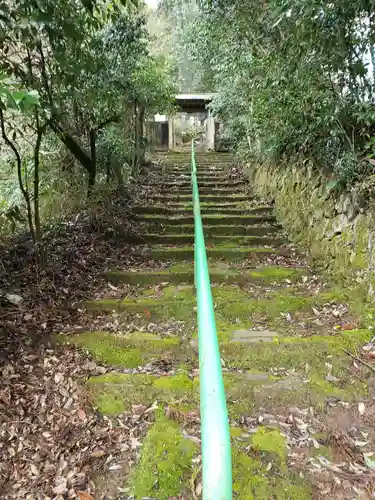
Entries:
{"x":216,"y":450}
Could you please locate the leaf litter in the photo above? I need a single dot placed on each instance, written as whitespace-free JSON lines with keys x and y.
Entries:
{"x":53,"y":443}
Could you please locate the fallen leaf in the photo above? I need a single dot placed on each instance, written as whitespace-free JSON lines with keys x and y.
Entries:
{"x":97,"y":453}
{"x":349,"y":326}
{"x":134,"y":443}
{"x":369,"y":461}
{"x":81,"y":415}
{"x":198,"y":489}
{"x":83,"y":495}
{"x":361,"y":408}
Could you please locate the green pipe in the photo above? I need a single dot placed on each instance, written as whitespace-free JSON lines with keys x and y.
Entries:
{"x":216,"y":450}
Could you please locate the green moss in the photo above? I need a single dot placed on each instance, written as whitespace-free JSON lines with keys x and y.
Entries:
{"x":274,"y":273}
{"x":166,"y":462}
{"x":151,"y":277}
{"x":114,"y":393}
{"x":233,"y":306}
{"x":252,"y":480}
{"x":294,"y":352}
{"x":322,"y":451}
{"x":129,"y":350}
{"x":227,"y":252}
{"x":249,"y":483}
{"x":175,"y":383}
{"x":270,"y":442}
{"x":341,"y":389}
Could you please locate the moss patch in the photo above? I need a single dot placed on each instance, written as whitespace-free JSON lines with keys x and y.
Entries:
{"x":309,"y":387}
{"x":130,"y":350}
{"x":226,"y":252}
{"x":252,"y":480}
{"x":270,"y":442}
{"x":184,"y":273}
{"x":235,"y":308}
{"x":114,"y":393}
{"x":165,"y":466}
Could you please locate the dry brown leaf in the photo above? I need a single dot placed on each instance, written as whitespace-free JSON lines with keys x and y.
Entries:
{"x":97,"y":453}
{"x":83,"y":495}
{"x":82,"y":415}
{"x":349,"y":326}
{"x":175,"y":414}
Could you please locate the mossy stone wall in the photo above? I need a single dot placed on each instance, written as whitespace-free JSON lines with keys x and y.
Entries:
{"x":336,"y":229}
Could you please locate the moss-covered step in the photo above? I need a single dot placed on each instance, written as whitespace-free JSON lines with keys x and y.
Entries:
{"x":176,"y":157}
{"x":203,"y":190}
{"x":246,"y":392}
{"x":292,"y":354}
{"x":223,"y":252}
{"x":224,"y":230}
{"x":212,"y":198}
{"x":183,"y":239}
{"x":129,"y":350}
{"x":209,"y":158}
{"x":203,"y":177}
{"x":185,"y":169}
{"x":210,"y":210}
{"x":235,"y":308}
{"x":166,"y":467}
{"x":185,"y":274}
{"x":208,"y":220}
{"x":230,"y":210}
{"x":220,"y":184}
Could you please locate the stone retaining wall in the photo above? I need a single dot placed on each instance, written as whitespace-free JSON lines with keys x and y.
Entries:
{"x":337,"y":230}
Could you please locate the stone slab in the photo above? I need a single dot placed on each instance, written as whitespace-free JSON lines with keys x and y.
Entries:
{"x":253,"y":336}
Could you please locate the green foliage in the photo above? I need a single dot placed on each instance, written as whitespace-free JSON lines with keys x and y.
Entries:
{"x":292,"y":78}
{"x":12,"y":96}
{"x":81,"y":72}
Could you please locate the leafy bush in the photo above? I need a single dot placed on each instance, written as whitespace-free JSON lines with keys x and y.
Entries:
{"x":293,"y":78}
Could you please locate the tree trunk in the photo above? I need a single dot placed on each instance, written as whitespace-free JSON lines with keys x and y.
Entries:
{"x":108,"y":169}
{"x":24,"y":191}
{"x":142,"y":148}
{"x":92,"y":171}
{"x":135,"y":147}
{"x":72,"y":145}
{"x":38,"y":231}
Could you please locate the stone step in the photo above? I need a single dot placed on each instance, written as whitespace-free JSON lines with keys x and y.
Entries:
{"x":130,"y":350}
{"x":214,"y":190}
{"x":208,"y":220}
{"x":183,"y":239}
{"x":186,"y":162}
{"x":224,"y":179}
{"x":184,"y":273}
{"x":172,"y":175}
{"x":204,"y":197}
{"x":186,"y":184}
{"x":225,"y":253}
{"x":215,"y":230}
{"x":176,"y":209}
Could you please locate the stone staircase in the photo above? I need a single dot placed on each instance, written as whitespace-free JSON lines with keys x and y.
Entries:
{"x":274,"y":351}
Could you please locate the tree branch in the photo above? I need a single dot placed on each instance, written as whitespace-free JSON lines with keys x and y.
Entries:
{"x":19,"y":173}
{"x":113,"y":119}
{"x":44,"y":74}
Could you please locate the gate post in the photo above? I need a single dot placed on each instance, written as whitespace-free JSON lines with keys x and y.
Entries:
{"x":210,"y":131}
{"x":170,"y":133}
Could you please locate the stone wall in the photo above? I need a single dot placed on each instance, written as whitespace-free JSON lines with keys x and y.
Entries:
{"x":337,"y":230}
